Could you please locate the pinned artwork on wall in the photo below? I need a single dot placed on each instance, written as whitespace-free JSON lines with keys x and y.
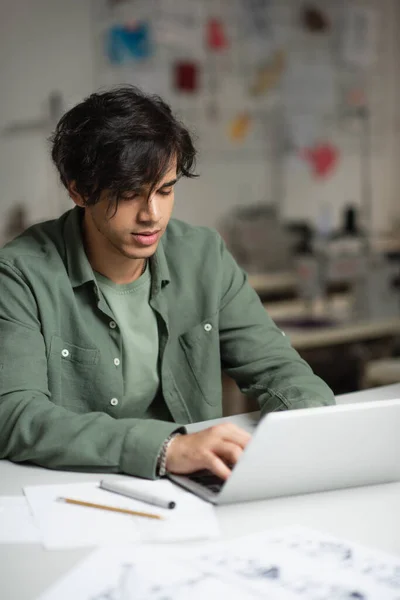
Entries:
{"x":176,"y":26}
{"x":216,"y":37}
{"x":267,"y":77}
{"x":239,"y":127}
{"x":323,"y":159}
{"x":256,"y":17}
{"x":257,"y":26}
{"x":129,"y":42}
{"x":226,"y":65}
{"x":314,"y":19}
{"x":360,"y":36}
{"x":186,"y":77}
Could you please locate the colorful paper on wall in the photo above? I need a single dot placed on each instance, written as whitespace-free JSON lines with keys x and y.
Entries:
{"x":269,"y":76}
{"x":129,"y":42}
{"x":360,"y":36}
{"x":258,"y":31}
{"x":239,"y":127}
{"x":256,"y":17}
{"x":186,"y":77}
{"x":176,"y":24}
{"x":216,"y":36}
{"x":314,"y":19}
{"x":323,"y":159}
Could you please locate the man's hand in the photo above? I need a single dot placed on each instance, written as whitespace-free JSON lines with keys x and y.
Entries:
{"x":212,"y":449}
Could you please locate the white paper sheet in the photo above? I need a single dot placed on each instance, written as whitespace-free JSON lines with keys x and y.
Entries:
{"x":145,"y":573}
{"x":67,"y":526}
{"x":176,"y":25}
{"x":310,"y":565}
{"x":360,"y":36}
{"x":16,"y":521}
{"x":292,"y":564}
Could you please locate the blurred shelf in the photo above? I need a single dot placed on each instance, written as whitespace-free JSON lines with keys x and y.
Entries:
{"x":264,"y":283}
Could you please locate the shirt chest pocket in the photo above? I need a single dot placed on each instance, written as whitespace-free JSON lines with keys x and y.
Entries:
{"x":72,"y":375}
{"x":200,"y":346}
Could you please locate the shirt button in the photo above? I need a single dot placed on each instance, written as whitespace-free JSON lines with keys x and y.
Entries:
{"x":207,"y":327}
{"x":114,"y":401}
{"x":65,"y":353}
{"x":117,"y":362}
{"x":112,"y":324}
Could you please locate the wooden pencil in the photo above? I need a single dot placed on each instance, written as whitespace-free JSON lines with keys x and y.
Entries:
{"x":125,"y":511}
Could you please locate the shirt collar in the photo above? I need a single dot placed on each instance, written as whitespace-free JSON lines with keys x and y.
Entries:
{"x":79,"y":269}
{"x":159,"y":268}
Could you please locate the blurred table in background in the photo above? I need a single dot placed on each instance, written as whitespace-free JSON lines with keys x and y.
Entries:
{"x":338,"y":352}
{"x":283,"y":284}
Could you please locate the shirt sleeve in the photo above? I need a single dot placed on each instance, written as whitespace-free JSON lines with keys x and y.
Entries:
{"x":33,"y":428}
{"x":256,"y":353}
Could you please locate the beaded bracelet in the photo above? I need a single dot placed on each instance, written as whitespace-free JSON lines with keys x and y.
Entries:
{"x":162,"y":458}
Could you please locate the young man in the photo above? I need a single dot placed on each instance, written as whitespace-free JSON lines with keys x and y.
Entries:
{"x":115,"y":321}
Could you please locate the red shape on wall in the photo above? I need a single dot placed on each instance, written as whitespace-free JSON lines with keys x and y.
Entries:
{"x":322,"y":157}
{"x":186,"y":76}
{"x":216,"y":38}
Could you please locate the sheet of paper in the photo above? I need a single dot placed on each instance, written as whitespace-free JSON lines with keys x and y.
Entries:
{"x":291,"y":564}
{"x":66,"y":526}
{"x":145,"y":573}
{"x":360,"y":36}
{"x":307,"y":564}
{"x":176,"y":25}
{"x":17,"y":525}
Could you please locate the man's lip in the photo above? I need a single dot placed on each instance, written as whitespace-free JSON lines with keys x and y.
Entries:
{"x":149,"y":233}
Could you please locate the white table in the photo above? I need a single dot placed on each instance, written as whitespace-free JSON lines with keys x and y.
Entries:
{"x":369,"y":515}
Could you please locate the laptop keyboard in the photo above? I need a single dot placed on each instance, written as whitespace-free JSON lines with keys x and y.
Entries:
{"x":208,"y":480}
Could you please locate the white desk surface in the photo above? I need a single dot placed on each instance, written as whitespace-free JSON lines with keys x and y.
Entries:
{"x":368,"y":515}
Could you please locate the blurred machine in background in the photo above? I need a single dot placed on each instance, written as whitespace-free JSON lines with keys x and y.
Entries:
{"x":257,"y":239}
{"x":347,"y":258}
{"x":340,"y":302}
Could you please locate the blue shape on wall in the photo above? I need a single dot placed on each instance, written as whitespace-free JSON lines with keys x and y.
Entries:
{"x":129,"y":42}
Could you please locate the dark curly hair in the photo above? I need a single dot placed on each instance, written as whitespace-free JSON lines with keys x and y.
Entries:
{"x":120,"y":140}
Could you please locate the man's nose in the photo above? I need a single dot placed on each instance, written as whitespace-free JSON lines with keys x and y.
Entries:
{"x":149,"y":210}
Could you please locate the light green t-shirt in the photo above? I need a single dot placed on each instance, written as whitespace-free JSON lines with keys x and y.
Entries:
{"x":140,"y":358}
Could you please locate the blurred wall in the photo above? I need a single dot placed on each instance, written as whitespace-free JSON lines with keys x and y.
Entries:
{"x":226,"y":183}
{"x":46,"y":45}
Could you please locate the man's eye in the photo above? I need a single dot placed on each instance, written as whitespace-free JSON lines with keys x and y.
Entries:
{"x":128,"y":197}
{"x":165,"y":192}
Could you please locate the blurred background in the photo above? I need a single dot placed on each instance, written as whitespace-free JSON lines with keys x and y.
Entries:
{"x":295,"y":108}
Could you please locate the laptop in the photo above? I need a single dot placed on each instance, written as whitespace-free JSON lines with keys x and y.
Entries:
{"x":307,"y":450}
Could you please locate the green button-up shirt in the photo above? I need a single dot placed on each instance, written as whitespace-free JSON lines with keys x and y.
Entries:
{"x":60,"y":390}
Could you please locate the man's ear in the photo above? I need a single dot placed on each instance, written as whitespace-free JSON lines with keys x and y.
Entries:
{"x":74,"y":195}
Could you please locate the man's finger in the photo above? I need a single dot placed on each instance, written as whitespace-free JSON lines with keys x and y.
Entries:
{"x":232,"y":433}
{"x":218,"y":467}
{"x":229,"y":452}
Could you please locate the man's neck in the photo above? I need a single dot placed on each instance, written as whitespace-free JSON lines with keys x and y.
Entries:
{"x":107,"y":261}
{"x":118,"y":272}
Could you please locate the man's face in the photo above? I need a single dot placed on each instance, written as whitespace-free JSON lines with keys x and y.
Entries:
{"x":135,"y":230}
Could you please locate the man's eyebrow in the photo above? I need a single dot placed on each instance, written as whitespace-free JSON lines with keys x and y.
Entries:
{"x":168,"y":184}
